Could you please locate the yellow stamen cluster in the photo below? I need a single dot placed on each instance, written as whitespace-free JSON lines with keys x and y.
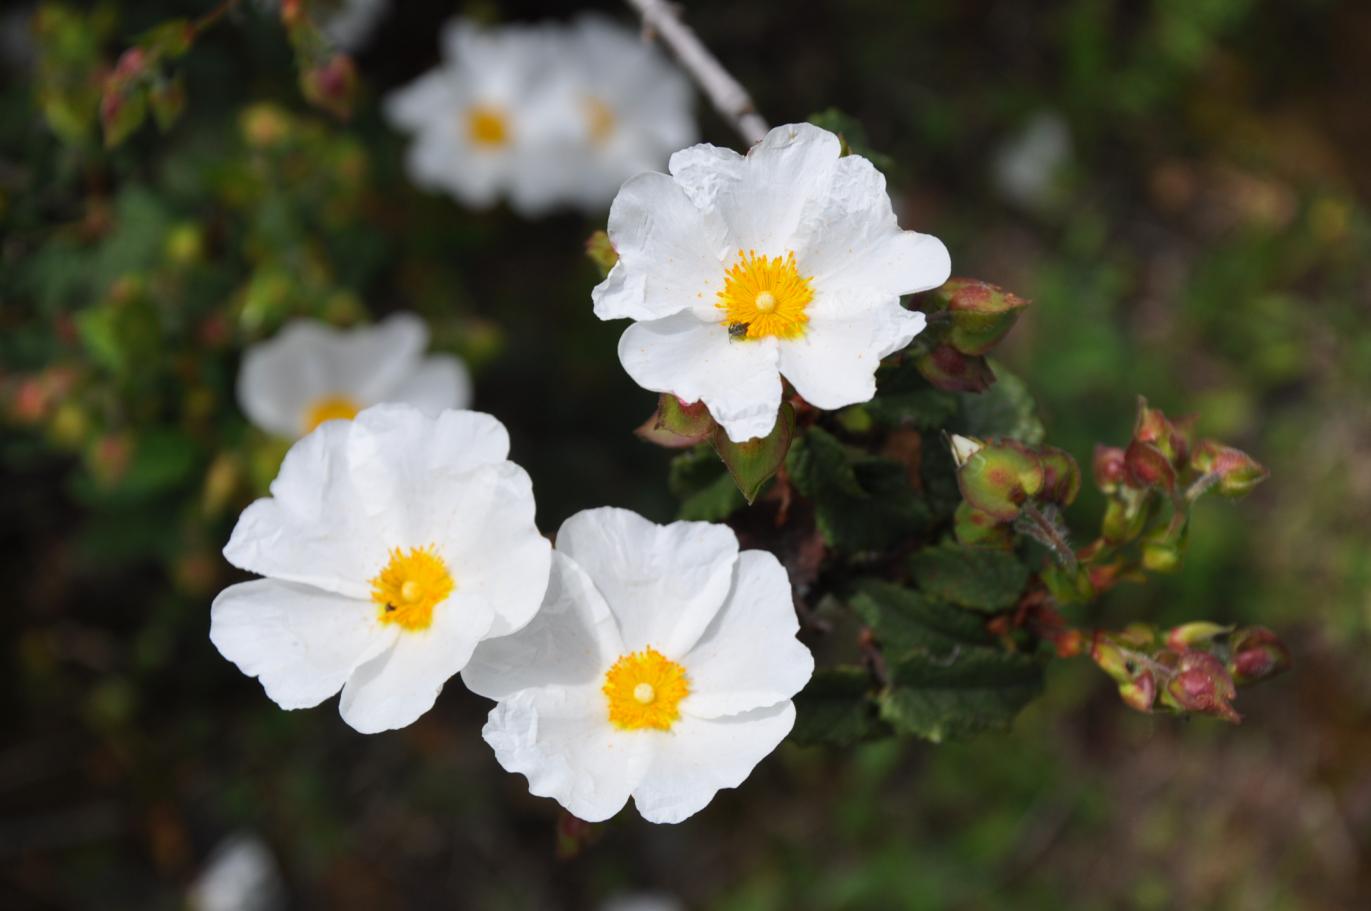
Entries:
{"x":601,"y":120}
{"x":412,"y":584}
{"x":644,"y":690}
{"x":487,"y":126}
{"x":330,"y":408}
{"x":767,"y":296}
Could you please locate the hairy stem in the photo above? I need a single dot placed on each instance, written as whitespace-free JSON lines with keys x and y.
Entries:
{"x":727,"y":95}
{"x":1047,"y":530}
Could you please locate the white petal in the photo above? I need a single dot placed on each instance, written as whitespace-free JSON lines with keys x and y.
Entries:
{"x":676,"y":248}
{"x":834,"y":363}
{"x":697,"y":758}
{"x":696,"y":361}
{"x":786,"y":174}
{"x":749,"y":657}
{"x":441,"y":382}
{"x":393,"y":689}
{"x":562,"y":741}
{"x":571,"y":641}
{"x":705,"y":171}
{"x":300,"y":642}
{"x":313,"y":529}
{"x":663,"y":583}
{"x":283,"y":376}
{"x":851,"y":238}
{"x":416,"y":105}
{"x":369,"y":360}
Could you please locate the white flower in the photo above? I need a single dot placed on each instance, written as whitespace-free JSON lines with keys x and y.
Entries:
{"x":311,"y":372}
{"x":742,"y":269}
{"x":634,"y":107}
{"x":485,"y":123}
{"x":240,"y":875}
{"x":346,"y":23}
{"x":391,"y":545}
{"x":661,"y":665}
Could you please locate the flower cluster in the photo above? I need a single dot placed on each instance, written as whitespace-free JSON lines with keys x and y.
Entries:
{"x":544,"y":115}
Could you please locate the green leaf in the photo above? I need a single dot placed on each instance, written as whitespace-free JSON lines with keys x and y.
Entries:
{"x":835,"y":707}
{"x":905,"y":620}
{"x":1004,"y":410}
{"x":170,"y":39}
{"x":122,"y":112}
{"x":752,"y":463}
{"x":975,"y":577}
{"x":706,"y":491}
{"x":954,"y":695}
{"x":861,"y":502}
{"x":905,"y":398}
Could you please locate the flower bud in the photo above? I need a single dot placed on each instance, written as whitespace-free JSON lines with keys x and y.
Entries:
{"x":1237,"y":471}
{"x":1193,"y":635}
{"x":1201,"y":684}
{"x":601,"y":252}
{"x":1124,"y":518}
{"x":1154,"y":427}
{"x":264,"y":125}
{"x":975,"y":528}
{"x":676,"y":424}
{"x":332,"y":85}
{"x":1161,"y":557}
{"x":1256,"y":654}
{"x":1139,"y":693}
{"x":950,"y":370}
{"x":1110,"y":467}
{"x":999,"y":477}
{"x":963,"y":448}
{"x":1148,"y":466}
{"x":1061,"y":475}
{"x":981,"y":314}
{"x":1110,"y":658}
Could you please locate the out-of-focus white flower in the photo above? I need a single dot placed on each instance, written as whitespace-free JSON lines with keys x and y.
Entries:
{"x":240,"y":875}
{"x":485,"y":122}
{"x":643,"y":901}
{"x":635,"y":108}
{"x":740,"y":270}
{"x":661,"y":665}
{"x":1028,"y":168}
{"x":311,"y":372}
{"x":391,"y":545}
{"x":346,"y":23}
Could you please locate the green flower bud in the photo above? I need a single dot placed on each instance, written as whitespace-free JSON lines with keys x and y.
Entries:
{"x":975,"y":528}
{"x":999,"y":477}
{"x":601,"y":252}
{"x":677,"y":425}
{"x":981,"y":314}
{"x":1238,"y":473}
{"x":1061,"y":475}
{"x":950,"y":370}
{"x":1192,"y":635}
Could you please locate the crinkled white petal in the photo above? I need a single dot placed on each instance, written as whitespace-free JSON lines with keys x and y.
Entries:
{"x":783,"y":178}
{"x":699,"y":757}
{"x":834,"y":363}
{"x":560,"y":738}
{"x":663,"y":583}
{"x":393,"y":689}
{"x":412,"y":106}
{"x":705,"y":171}
{"x":315,"y":528}
{"x":440,"y":382}
{"x":571,"y":641}
{"x":851,"y":239}
{"x":300,"y":642}
{"x":697,"y":361}
{"x":749,"y":657}
{"x":678,"y":250}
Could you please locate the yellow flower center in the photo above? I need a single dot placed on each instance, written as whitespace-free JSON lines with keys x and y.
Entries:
{"x":644,"y":689}
{"x":487,"y":126}
{"x":412,"y":584}
{"x":330,"y":408}
{"x":600,"y":119}
{"x":765,"y":297}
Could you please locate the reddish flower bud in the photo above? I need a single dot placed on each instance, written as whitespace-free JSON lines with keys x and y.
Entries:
{"x":1148,"y":466}
{"x":1140,"y":693}
{"x":1237,"y":471}
{"x":332,"y":85}
{"x":950,"y":370}
{"x":601,"y":252}
{"x":1256,"y":654}
{"x":981,"y":314}
{"x":676,"y":424}
{"x":1202,"y":684}
{"x":1061,"y":475}
{"x":1154,"y":427}
{"x":1110,"y":467}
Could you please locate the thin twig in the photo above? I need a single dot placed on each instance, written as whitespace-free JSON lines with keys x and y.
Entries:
{"x":727,"y":95}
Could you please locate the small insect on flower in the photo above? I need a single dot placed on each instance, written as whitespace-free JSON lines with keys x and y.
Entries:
{"x":661,"y":666}
{"x":391,"y":545}
{"x":311,"y":372}
{"x":794,"y":242}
